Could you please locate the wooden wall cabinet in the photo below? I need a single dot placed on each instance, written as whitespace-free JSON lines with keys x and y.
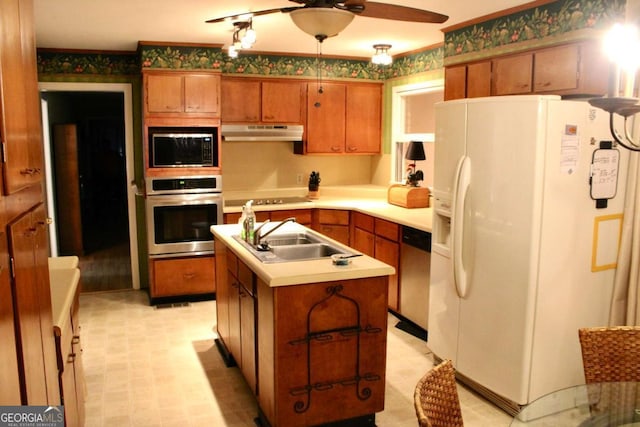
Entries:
{"x":262,"y":101}
{"x":364,"y":118}
{"x":181,"y":276}
{"x":21,"y":129}
{"x":467,"y":80}
{"x":512,"y":75}
{"x":344,"y":119}
{"x":569,"y":69}
{"x":176,"y":94}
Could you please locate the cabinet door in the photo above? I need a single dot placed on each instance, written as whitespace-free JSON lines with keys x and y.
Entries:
{"x":223,"y":291}
{"x":363,"y":241}
{"x":78,"y":371}
{"x":182,"y":276}
{"x":10,"y":387}
{"x":240,"y":100}
{"x":594,"y":70}
{"x":283,"y":102}
{"x":32,"y":306}
{"x":326,"y":118}
{"x":201,"y":94}
{"x":556,"y":69}
{"x":67,"y":378}
{"x":455,"y":82}
{"x":246,"y":291}
{"x":234,"y":343}
{"x":389,"y":253}
{"x":479,"y":79}
{"x":41,"y":267}
{"x":21,"y":130}
{"x":513,"y":74}
{"x":164,"y":93}
{"x":363,"y":115}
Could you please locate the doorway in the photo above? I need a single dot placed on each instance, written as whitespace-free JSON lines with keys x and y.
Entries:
{"x":93,"y":123}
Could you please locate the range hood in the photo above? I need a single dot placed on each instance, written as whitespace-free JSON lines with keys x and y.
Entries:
{"x":262,"y":132}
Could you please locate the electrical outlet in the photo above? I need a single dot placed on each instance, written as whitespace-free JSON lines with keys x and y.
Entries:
{"x":299,"y":178}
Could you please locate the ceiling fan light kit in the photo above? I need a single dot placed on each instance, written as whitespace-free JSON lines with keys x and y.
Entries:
{"x":321,"y":23}
{"x":382,"y":56}
{"x":245,"y":41}
{"x":327,"y":18}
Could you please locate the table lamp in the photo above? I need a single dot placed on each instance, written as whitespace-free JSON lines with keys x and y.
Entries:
{"x":415,"y":152}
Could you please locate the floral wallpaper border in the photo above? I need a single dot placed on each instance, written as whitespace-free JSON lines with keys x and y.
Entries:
{"x":549,"y":20}
{"x":263,"y":64}
{"x":175,"y":57}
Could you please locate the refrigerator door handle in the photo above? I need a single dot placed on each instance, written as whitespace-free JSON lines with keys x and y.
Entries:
{"x":463,"y":175}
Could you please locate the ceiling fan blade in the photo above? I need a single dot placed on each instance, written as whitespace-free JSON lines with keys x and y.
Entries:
{"x":398,"y":13}
{"x":258,"y":13}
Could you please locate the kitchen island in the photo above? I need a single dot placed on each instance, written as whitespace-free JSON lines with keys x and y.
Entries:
{"x":308,"y":336}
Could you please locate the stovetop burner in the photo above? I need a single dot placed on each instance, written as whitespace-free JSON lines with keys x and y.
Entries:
{"x":268,"y":201}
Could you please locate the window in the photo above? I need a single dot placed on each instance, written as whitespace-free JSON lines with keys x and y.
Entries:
{"x":413,"y":119}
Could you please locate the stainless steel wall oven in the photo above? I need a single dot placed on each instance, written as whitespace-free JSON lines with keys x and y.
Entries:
{"x":179,"y":212}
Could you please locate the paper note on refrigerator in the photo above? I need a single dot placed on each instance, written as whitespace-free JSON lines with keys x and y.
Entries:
{"x":569,"y":153}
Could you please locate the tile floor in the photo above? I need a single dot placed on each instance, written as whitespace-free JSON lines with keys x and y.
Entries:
{"x":159,"y":367}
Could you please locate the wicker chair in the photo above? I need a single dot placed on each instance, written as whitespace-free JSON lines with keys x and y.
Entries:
{"x":436,"y":398}
{"x":610,"y":353}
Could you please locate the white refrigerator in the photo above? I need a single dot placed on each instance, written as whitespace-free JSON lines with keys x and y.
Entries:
{"x":521,"y":255}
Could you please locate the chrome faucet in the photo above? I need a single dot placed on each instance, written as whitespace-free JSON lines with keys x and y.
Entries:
{"x":256,"y":234}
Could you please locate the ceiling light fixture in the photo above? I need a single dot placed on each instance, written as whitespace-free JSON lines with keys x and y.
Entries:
{"x":244,"y":36}
{"x":321,"y":22}
{"x":381,"y":56}
{"x":623,"y":46}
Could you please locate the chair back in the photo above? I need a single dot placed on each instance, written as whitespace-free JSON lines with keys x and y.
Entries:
{"x":610,"y":354}
{"x":436,"y":398}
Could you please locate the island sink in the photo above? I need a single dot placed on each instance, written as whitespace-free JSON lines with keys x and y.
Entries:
{"x":287,"y":247}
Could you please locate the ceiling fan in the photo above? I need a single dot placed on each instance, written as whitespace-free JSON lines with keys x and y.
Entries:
{"x":326,"y":18}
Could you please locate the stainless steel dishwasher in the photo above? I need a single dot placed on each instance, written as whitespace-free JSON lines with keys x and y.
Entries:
{"x":415,"y":268}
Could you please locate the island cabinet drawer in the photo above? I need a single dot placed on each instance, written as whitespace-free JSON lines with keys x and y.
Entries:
{"x":183,"y":276}
{"x":388,"y":230}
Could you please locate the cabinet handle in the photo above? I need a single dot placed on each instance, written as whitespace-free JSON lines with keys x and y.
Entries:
{"x":352,"y":148}
{"x":76,"y":339}
{"x":189,"y":275}
{"x":71,"y":358}
{"x":335,"y":148}
{"x":28,"y":171}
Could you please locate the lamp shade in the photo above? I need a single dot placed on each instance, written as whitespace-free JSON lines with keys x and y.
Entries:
{"x":321,"y":22}
{"x":415,"y":151}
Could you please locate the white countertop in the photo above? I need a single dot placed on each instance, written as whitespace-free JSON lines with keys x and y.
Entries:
{"x":300,"y":272}
{"x":63,"y":282}
{"x":365,"y":199}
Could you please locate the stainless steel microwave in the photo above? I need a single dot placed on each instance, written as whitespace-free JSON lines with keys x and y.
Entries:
{"x":175,"y":148}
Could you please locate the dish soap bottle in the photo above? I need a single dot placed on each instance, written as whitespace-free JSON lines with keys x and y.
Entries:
{"x":243,"y":217}
{"x":249,"y":222}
